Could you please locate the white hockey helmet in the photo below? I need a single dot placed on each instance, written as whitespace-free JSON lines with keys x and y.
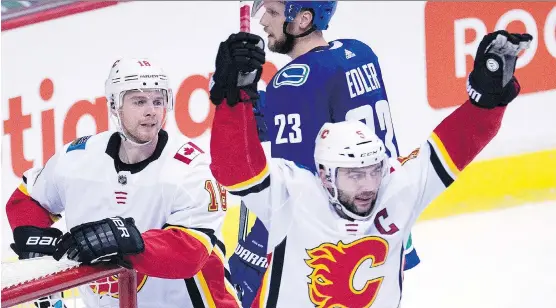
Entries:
{"x":135,"y":74}
{"x":348,"y":144}
{"x":131,"y":74}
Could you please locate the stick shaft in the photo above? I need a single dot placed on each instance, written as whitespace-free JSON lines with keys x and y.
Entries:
{"x":244,"y":17}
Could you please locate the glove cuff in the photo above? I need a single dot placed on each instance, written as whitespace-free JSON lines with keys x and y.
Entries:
{"x":483,"y":99}
{"x":248,"y":95}
{"x":128,"y":236}
{"x":31,"y":241}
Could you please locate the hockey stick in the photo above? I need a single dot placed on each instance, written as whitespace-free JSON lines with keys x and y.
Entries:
{"x":244,"y":17}
{"x":244,"y":26}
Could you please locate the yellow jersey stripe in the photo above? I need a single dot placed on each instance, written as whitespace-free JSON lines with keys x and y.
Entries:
{"x":54,"y":217}
{"x":23,"y":188}
{"x":200,"y":236}
{"x":449,"y":163}
{"x":220,"y":254}
{"x":263,"y":297}
{"x":232,"y":291}
{"x":254,"y":180}
{"x":206,"y":291}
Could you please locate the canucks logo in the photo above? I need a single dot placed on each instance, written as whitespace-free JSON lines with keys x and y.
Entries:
{"x":292,"y":75}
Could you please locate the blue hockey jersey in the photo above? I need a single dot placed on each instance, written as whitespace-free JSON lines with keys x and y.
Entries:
{"x":328,"y":84}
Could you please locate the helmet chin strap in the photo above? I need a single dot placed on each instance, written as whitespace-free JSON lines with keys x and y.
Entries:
{"x":309,"y":31}
{"x":290,"y":39}
{"x":338,"y":205}
{"x":344,"y":210}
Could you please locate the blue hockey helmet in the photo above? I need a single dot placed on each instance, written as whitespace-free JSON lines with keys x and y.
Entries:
{"x":322,"y":10}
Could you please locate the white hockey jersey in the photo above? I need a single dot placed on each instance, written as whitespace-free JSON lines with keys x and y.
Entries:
{"x":175,"y":201}
{"x":338,"y":262}
{"x":317,"y":258}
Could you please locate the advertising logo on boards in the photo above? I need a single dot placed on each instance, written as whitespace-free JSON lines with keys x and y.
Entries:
{"x":453,"y":31}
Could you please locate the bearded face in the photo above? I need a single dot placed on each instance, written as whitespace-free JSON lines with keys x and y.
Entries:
{"x":358,"y":188}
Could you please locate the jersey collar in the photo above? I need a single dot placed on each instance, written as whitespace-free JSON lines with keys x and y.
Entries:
{"x":319,"y":48}
{"x":113,"y":148}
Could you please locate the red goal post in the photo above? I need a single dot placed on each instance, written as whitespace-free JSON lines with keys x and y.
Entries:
{"x":27,"y":280}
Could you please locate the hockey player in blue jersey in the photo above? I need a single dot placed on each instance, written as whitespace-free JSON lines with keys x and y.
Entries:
{"x":324,"y":82}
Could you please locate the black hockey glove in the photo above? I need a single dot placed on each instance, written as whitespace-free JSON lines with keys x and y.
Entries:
{"x":106,"y":240}
{"x":32,"y":242}
{"x":239,"y":65}
{"x":492,"y":82}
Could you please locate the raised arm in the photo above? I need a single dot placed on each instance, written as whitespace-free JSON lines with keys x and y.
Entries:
{"x":461,"y":136}
{"x":238,"y":159}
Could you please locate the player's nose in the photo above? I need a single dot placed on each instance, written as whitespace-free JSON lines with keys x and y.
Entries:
{"x":263,"y":21}
{"x":149,"y":109}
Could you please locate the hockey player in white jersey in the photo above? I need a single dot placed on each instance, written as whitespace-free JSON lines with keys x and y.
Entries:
{"x":139,"y":196}
{"x":336,"y":239}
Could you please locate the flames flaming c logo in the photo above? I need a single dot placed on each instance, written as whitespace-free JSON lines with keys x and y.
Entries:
{"x":334,"y":268}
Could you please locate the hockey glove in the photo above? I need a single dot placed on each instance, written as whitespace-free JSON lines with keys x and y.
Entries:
{"x":32,"y":242}
{"x":106,"y":240}
{"x":239,"y":65}
{"x":492,"y":82}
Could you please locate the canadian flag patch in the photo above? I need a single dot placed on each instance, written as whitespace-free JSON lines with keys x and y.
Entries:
{"x":188,"y":152}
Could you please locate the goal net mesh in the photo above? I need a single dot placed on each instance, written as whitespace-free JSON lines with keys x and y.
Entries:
{"x":44,"y":282}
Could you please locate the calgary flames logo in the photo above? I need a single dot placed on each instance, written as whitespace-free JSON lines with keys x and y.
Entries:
{"x":334,"y":268}
{"x":411,"y":155}
{"x":109,"y":285}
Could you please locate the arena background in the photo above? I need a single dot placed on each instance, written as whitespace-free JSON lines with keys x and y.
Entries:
{"x":56,"y":56}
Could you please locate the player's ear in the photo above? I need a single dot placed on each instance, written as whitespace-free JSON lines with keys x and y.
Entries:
{"x":305,"y":19}
{"x":322,"y":176}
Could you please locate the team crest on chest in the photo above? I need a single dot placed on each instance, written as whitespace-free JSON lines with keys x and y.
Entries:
{"x":334,"y":268}
{"x":292,"y":75}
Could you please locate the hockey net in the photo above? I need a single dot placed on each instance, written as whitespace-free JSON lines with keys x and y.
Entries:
{"x":45,"y":282}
